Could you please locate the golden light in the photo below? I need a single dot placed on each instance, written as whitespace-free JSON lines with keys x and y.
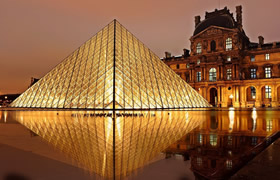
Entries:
{"x":111,"y":151}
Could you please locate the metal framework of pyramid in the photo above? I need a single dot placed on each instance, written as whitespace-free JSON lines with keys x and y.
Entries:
{"x":112,"y":70}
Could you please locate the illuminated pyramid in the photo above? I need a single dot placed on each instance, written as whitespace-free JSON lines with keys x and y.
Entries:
{"x":112,"y":70}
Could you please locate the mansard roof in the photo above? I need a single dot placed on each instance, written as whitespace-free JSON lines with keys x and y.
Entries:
{"x":220,"y":18}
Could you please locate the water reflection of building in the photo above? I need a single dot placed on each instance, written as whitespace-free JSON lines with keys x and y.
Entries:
{"x":221,"y":143}
{"x":225,"y":67}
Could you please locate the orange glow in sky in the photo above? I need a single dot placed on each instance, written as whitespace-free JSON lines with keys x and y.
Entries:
{"x":36,"y":35}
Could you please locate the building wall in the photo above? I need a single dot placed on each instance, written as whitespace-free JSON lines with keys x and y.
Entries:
{"x":245,"y":57}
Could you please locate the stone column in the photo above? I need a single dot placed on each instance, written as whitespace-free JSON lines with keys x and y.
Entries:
{"x":222,"y":72}
{"x":236,"y":97}
{"x":258,"y":102}
{"x":217,"y":73}
{"x":224,"y":97}
{"x":274,"y":101}
{"x":236,"y":71}
{"x":243,"y":97}
{"x":205,"y":74}
{"x":219,"y":96}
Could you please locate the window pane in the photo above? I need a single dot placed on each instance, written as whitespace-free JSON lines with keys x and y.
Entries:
{"x":228,"y":74}
{"x":267,"y":56}
{"x":267,"y":72}
{"x":253,"y":73}
{"x":267,"y":92}
{"x":198,"y":76}
{"x":212,"y":74}
{"x":229,"y":44}
{"x":198,"y":48}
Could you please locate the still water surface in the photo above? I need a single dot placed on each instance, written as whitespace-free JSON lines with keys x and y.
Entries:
{"x":217,"y":142}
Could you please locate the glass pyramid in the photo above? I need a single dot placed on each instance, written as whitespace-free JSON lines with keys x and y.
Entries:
{"x":112,"y":70}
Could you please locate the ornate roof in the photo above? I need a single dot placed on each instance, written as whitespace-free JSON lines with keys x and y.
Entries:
{"x":220,"y":18}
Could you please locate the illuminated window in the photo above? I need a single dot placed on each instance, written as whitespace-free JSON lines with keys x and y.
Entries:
{"x":253,"y":58}
{"x":198,"y":76}
{"x":253,"y":73}
{"x":178,"y":66}
{"x":228,"y":74}
{"x":228,"y":44}
{"x":212,"y":74}
{"x":228,"y":58}
{"x":213,"y":139}
{"x":269,"y":125}
{"x":267,"y":56}
{"x":199,"y":138}
{"x":267,"y":92}
{"x":229,"y":164}
{"x":198,"y":62}
{"x":199,"y":161}
{"x":267,"y":72}
{"x":198,"y":48}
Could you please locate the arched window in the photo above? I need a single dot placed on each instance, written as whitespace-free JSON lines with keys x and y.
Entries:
{"x":198,"y":48}
{"x":228,"y":44}
{"x":212,"y":74}
{"x":213,"y":45}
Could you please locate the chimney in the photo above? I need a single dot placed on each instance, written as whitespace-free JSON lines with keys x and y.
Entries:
{"x":239,"y":16}
{"x":261,"y":41}
{"x":167,"y":55}
{"x":186,"y":52}
{"x":196,"y":20}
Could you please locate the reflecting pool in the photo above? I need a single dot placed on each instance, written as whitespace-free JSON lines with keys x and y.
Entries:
{"x":227,"y":140}
{"x":110,"y":144}
{"x":217,"y":142}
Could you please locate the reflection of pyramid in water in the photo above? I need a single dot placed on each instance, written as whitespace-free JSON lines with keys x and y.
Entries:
{"x":89,"y":140}
{"x":112,"y":70}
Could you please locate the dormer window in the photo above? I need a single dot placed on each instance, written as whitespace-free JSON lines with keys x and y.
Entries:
{"x":267,"y":56}
{"x":198,"y":48}
{"x":228,"y":44}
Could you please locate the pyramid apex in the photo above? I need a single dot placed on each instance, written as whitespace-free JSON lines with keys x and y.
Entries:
{"x":107,"y":72}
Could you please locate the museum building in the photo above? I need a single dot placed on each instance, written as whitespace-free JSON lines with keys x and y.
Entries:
{"x":225,"y":67}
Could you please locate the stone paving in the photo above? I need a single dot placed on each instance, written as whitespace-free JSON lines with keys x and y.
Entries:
{"x":265,"y":166}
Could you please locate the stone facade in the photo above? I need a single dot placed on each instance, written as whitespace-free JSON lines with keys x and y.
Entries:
{"x":225,"y":67}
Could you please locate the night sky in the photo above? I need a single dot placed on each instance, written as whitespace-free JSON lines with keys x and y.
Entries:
{"x":35,"y":35}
